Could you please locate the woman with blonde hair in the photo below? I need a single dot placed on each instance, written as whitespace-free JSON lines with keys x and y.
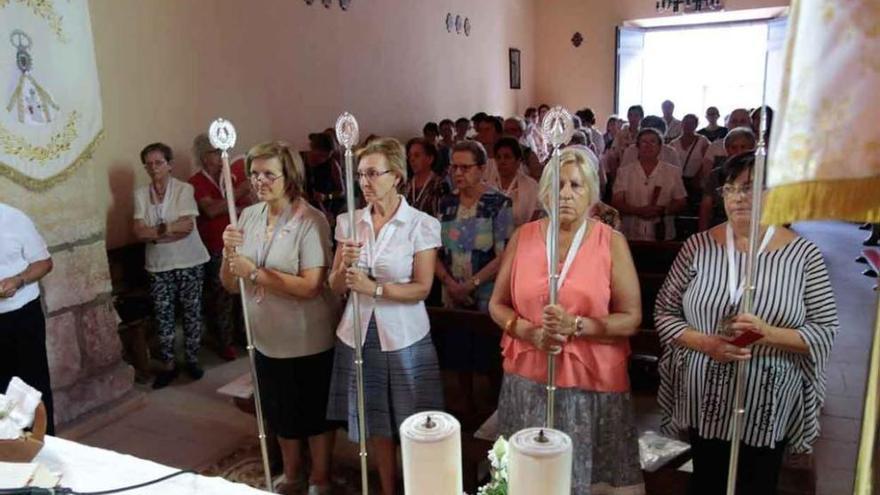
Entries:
{"x":281,"y":249}
{"x":391,"y":268}
{"x":599,"y":308}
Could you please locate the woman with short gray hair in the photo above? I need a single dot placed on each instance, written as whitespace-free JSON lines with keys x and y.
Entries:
{"x":164,"y":219}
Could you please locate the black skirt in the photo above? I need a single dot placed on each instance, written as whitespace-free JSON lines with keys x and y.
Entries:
{"x":294,"y":394}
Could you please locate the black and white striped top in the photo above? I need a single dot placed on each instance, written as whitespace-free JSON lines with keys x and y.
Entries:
{"x":784,"y":390}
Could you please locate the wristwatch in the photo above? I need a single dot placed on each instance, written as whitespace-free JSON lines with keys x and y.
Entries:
{"x":377,"y":292}
{"x":253,"y":275}
{"x":578,"y":326}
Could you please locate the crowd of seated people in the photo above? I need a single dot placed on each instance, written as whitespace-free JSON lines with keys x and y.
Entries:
{"x":447,"y":210}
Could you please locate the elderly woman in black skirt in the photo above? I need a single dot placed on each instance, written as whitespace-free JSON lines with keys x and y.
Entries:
{"x":391,"y":268}
{"x":282,"y":251}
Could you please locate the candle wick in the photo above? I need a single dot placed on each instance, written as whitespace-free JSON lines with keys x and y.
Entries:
{"x":429,"y":423}
{"x":542,"y":438}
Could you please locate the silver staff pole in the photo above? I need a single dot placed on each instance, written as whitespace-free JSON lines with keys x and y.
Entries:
{"x":347,"y":135}
{"x":557,"y":127}
{"x":739,"y":393}
{"x":222,"y":136}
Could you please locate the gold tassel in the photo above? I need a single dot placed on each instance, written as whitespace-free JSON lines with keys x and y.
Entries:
{"x":15,"y":100}
{"x":856,"y":200}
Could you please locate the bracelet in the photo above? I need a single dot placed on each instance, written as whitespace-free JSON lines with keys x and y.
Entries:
{"x":510,"y":325}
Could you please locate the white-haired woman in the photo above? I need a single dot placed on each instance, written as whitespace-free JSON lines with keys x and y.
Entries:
{"x":599,"y":307}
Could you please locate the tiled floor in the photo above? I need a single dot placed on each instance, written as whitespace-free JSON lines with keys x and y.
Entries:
{"x":836,"y":449}
{"x":189,"y":425}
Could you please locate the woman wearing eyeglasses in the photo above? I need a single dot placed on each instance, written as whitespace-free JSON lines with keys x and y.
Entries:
{"x":175,"y":257}
{"x":477,"y":221}
{"x":698,"y":316}
{"x":281,"y":249}
{"x":391,"y":268}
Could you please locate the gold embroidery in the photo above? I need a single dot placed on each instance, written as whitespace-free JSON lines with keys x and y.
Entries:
{"x":40,"y":185}
{"x":14,"y":145}
{"x":45,"y":10}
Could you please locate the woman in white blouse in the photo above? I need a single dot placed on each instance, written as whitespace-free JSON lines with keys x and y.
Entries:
{"x":648,"y":192}
{"x":514,"y":182}
{"x":392,"y":269}
{"x":164,"y":218}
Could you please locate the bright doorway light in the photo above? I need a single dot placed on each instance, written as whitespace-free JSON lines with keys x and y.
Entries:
{"x":699,"y":66}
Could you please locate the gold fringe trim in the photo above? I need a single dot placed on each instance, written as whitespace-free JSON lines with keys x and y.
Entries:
{"x":856,"y":200}
{"x":40,"y":185}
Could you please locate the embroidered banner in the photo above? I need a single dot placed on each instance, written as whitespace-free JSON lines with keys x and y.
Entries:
{"x":825,"y":160}
{"x":50,"y":97}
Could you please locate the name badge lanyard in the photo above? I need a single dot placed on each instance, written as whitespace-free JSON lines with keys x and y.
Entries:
{"x":161,"y":209}
{"x":572,"y":252}
{"x":735,"y":288}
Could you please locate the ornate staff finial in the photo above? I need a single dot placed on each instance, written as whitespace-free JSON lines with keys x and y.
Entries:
{"x":347,"y":130}
{"x":222,"y":134}
{"x":558,"y":126}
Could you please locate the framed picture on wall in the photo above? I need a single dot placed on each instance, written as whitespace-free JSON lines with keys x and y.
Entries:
{"x":515,"y":74}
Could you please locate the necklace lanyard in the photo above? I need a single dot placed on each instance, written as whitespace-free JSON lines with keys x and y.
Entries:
{"x":572,"y":252}
{"x":417,"y":200}
{"x":734,"y":288}
{"x":512,"y":186}
{"x":212,"y":181}
{"x":288,"y":215}
{"x":684,"y":164}
{"x":161,"y":208}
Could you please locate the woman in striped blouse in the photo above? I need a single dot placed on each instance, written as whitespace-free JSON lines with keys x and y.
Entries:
{"x":697,"y":314}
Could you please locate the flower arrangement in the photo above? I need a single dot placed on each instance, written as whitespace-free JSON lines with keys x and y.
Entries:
{"x":498,"y":460}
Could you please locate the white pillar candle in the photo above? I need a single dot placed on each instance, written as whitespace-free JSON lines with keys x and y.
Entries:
{"x":539,"y":463}
{"x":430,"y":444}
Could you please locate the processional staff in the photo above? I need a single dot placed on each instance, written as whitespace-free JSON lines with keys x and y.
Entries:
{"x":222,"y":136}
{"x":347,"y":135}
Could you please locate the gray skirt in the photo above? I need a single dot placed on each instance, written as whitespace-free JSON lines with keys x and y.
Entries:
{"x":601,"y":427}
{"x":397,"y":384}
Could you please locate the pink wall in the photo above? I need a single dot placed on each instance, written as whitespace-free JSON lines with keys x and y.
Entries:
{"x":584,"y":76}
{"x":280,"y":69}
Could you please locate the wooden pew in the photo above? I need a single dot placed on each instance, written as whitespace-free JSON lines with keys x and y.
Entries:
{"x":131,"y":299}
{"x":653,"y":260}
{"x":474,"y":451}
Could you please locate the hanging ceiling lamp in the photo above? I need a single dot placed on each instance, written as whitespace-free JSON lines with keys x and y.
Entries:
{"x":676,"y":6}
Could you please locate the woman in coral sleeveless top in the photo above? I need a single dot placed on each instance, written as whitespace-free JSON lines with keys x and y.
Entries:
{"x":599,"y":308}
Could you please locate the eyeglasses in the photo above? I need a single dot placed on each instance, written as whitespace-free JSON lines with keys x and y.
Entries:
{"x":371,"y":175}
{"x":732,"y":190}
{"x":157,"y":163}
{"x":465,"y":167}
{"x":265,"y":177}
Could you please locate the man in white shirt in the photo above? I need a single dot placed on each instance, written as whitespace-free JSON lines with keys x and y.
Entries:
{"x":24,"y":260}
{"x":673,"y":125}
